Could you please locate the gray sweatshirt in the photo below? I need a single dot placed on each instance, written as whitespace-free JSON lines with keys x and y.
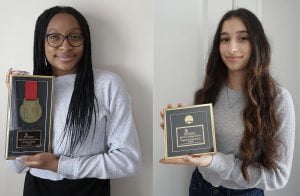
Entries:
{"x":225,"y":169}
{"x":112,"y":152}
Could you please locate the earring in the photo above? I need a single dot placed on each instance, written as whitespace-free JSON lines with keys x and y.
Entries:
{"x":46,"y":62}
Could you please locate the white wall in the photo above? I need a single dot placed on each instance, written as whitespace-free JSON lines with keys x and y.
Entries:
{"x":281,"y":22}
{"x":121,"y":42}
{"x":176,"y":59}
{"x":181,"y":39}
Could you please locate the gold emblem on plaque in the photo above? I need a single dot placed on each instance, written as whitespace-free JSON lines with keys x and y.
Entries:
{"x":30,"y":111}
{"x":188,"y":119}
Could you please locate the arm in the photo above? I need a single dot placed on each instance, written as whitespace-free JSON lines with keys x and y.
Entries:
{"x":123,"y":156}
{"x":228,"y":167}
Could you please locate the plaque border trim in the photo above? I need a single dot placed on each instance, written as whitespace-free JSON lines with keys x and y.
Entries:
{"x":166,"y":156}
{"x":7,"y":157}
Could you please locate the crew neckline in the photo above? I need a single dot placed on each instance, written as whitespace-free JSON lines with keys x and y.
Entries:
{"x":57,"y":78}
{"x":233,"y":90}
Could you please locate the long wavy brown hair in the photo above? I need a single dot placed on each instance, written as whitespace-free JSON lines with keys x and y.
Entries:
{"x":258,"y":146}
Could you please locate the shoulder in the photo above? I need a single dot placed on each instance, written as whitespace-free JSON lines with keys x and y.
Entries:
{"x":284,"y":103}
{"x":101,"y":75}
{"x":283,"y":96}
{"x":108,"y":80}
{"x":108,"y":83}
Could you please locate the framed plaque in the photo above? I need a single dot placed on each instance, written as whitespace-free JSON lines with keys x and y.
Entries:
{"x":189,"y":130}
{"x":29,"y":116}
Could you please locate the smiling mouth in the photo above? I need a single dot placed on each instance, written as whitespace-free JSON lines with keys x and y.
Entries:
{"x":65,"y":58}
{"x":233,"y":58}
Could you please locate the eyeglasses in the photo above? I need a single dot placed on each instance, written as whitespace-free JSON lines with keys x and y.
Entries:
{"x":55,"y":40}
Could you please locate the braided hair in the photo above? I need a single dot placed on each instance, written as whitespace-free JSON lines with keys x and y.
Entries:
{"x":83,"y":105}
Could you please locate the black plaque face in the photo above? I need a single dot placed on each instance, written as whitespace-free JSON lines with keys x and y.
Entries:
{"x":29,"y":122}
{"x":29,"y":139}
{"x":189,"y":130}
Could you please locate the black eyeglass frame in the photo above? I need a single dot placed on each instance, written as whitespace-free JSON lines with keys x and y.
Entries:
{"x":64,"y":37}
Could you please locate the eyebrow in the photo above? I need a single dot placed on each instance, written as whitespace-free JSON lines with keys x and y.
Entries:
{"x":53,"y":29}
{"x":239,"y":32}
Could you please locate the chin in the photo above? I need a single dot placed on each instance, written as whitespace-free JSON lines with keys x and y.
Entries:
{"x":66,"y":65}
{"x":66,"y":68}
{"x":237,"y":69}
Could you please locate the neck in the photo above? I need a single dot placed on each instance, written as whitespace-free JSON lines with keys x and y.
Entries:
{"x":235,"y":80}
{"x":57,"y":72}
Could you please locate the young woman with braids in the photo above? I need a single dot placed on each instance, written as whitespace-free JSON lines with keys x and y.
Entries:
{"x":254,"y":116}
{"x":94,"y":136}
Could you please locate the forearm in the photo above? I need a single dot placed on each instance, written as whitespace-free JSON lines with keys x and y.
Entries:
{"x":114,"y":164}
{"x":228,"y":168}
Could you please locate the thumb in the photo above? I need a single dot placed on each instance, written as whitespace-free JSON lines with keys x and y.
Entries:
{"x":189,"y":159}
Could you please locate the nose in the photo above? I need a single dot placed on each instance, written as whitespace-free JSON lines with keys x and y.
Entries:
{"x":65,"y":44}
{"x":233,"y":47}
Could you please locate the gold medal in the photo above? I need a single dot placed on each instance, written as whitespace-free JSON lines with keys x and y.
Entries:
{"x":30,"y":110}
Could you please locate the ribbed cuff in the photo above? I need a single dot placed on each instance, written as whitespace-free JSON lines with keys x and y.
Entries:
{"x":67,"y":166}
{"x":221,"y":162}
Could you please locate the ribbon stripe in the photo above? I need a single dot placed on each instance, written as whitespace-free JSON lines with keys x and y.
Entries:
{"x":30,"y":90}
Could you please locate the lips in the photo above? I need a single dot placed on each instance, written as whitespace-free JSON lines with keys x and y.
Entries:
{"x":65,"y":57}
{"x":233,"y":58}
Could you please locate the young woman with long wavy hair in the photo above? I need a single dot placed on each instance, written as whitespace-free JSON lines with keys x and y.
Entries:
{"x":254,"y":116}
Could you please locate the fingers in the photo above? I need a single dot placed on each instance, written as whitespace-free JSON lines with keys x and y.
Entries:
{"x":178,"y":161}
{"x":174,"y":106}
{"x":29,"y":161}
{"x":162,"y":125}
{"x":161,"y":112}
{"x":13,"y":72}
{"x":201,"y":161}
{"x":19,"y":72}
{"x":42,"y":161}
{"x":169,"y":106}
{"x":179,"y":105}
{"x":7,"y":76}
{"x":189,"y":159}
{"x":185,"y":160}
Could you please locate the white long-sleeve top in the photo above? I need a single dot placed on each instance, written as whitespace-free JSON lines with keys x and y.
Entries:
{"x":112,"y":152}
{"x":225,"y":169}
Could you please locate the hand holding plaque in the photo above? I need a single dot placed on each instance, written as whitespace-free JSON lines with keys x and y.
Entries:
{"x":189,"y":130}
